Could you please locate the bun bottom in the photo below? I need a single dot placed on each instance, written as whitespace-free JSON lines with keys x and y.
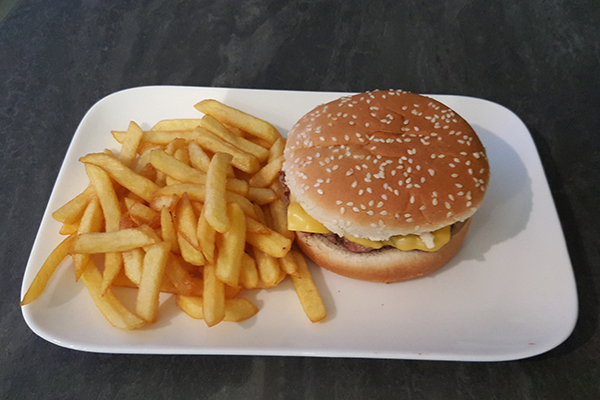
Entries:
{"x":384,"y":265}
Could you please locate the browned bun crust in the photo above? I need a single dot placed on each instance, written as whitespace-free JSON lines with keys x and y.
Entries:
{"x":385,"y":265}
{"x":385,"y":163}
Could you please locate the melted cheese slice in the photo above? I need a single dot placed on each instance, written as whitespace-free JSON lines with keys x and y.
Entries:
{"x":299,"y":220}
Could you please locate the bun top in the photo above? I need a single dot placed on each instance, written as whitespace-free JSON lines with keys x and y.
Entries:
{"x":385,"y":163}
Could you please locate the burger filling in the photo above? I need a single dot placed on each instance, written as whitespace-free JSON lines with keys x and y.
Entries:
{"x":299,"y":220}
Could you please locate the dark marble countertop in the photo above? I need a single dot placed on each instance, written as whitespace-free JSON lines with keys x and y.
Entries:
{"x":540,"y":59}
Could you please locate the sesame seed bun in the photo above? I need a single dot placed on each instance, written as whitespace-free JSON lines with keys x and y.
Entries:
{"x":386,"y":265}
{"x":385,"y":163}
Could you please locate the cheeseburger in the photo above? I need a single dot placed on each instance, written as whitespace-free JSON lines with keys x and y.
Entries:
{"x":383,"y":184}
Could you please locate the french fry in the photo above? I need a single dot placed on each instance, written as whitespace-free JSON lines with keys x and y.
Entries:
{"x":150,"y":138}
{"x":137,"y":184}
{"x":197,"y":206}
{"x":215,"y":203}
{"x":171,"y":166}
{"x":261,"y":196}
{"x":273,"y":244}
{"x":187,"y":221}
{"x":307,"y":291}
{"x":133,"y":264}
{"x":255,"y":227}
{"x":72,"y":211}
{"x":110,"y":242}
{"x":162,"y":201}
{"x":131,"y":144}
{"x":198,"y":157}
{"x":214,"y":297}
{"x":280,"y":278}
{"x":181,"y":278}
{"x":259,"y":141}
{"x":231,"y":247}
{"x":241,"y":160}
{"x":248,"y":274}
{"x":243,"y":202}
{"x":211,"y":124}
{"x":278,"y":189}
{"x":289,"y":265}
{"x":112,"y":309}
{"x":174,"y":146}
{"x":279,"y":221}
{"x":189,"y":252}
{"x":186,"y":174}
{"x":231,"y":116}
{"x":196,"y":193}
{"x":142,"y":164}
{"x":236,"y":310}
{"x":277,"y":149}
{"x":168,"y":231}
{"x":45,"y":273}
{"x":176,"y":124}
{"x":107,"y":196}
{"x":155,"y":262}
{"x":268,"y":268}
{"x":113,"y":263}
{"x":141,"y":213}
{"x":236,"y":131}
{"x":91,"y":221}
{"x":267,"y":174}
{"x":167,"y":286}
{"x":206,"y":237}
{"x":187,"y":226}
{"x":69,"y":229}
{"x":183,"y":155}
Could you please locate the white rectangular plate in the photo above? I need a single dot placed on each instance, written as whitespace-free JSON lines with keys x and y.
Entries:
{"x":508,"y":294}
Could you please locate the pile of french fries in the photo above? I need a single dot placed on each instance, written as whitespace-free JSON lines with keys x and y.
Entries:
{"x":192,"y":207}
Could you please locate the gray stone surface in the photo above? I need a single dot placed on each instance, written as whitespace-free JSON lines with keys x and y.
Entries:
{"x":541,"y":59}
